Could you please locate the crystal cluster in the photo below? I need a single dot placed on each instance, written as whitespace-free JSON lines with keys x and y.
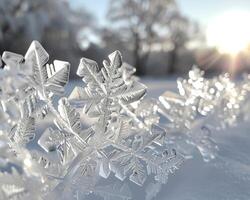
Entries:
{"x":66,"y":158}
{"x":202,"y":105}
{"x":58,"y":147}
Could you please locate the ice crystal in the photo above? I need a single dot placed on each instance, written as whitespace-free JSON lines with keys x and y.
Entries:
{"x":124,"y":138}
{"x":58,"y":147}
{"x":17,"y":181}
{"x":126,"y":144}
{"x":201,"y":105}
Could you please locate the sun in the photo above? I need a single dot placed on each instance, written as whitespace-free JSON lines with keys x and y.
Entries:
{"x":230,"y":32}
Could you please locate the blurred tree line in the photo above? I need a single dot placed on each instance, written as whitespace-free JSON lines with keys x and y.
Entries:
{"x":52,"y":22}
{"x":153,"y":35}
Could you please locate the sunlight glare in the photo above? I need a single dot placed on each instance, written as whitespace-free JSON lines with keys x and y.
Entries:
{"x":230,"y":32}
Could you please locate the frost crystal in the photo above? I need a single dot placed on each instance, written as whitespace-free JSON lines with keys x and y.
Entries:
{"x":58,"y":147}
{"x":124,"y":143}
{"x":124,"y":137}
{"x":201,"y":105}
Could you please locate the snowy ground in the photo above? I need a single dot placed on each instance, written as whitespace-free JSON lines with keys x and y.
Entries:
{"x":225,"y":178}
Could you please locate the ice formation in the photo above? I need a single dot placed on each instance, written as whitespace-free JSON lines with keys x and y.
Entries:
{"x":58,"y":147}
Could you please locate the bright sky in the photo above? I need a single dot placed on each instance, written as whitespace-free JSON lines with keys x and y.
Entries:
{"x":97,"y":7}
{"x":204,"y":11}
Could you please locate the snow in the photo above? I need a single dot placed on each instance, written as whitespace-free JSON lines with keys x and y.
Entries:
{"x":225,"y":178}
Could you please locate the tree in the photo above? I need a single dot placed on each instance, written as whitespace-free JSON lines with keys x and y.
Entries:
{"x":45,"y":20}
{"x":181,"y":31}
{"x":140,"y":23}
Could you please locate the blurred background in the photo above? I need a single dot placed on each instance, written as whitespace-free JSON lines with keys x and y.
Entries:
{"x":158,"y":37}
